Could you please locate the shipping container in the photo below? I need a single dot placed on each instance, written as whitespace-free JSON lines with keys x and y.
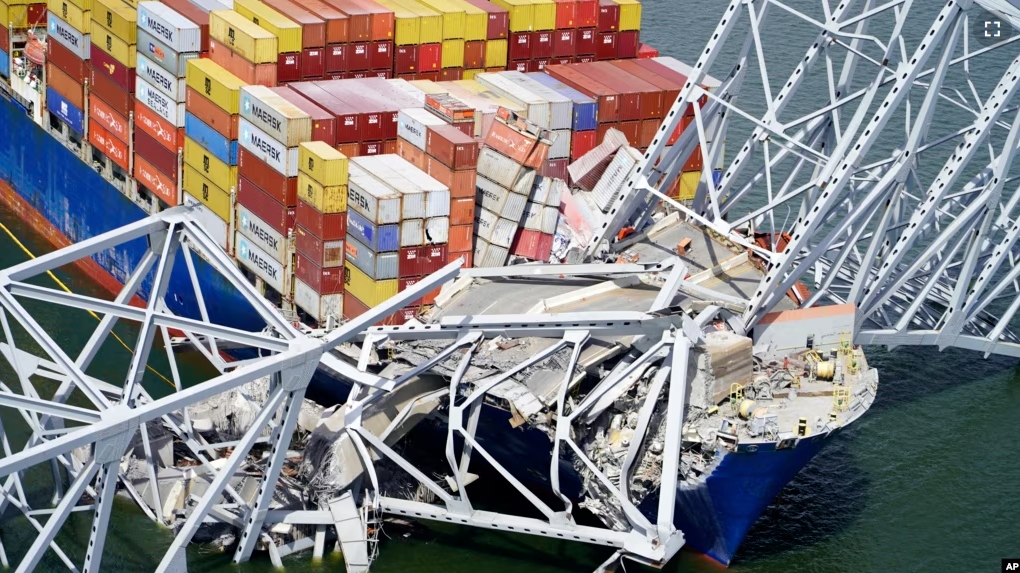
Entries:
{"x":323,"y":122}
{"x":566,"y":14}
{"x":474,"y":55}
{"x":79,"y":44}
{"x":79,"y":18}
{"x":324,"y":164}
{"x":324,"y":254}
{"x":377,"y":266}
{"x":431,"y":21}
{"x":313,"y":27}
{"x":504,"y":170}
{"x":519,"y":46}
{"x":286,"y":30}
{"x":224,"y":149}
{"x":159,"y":184}
{"x":275,"y":115}
{"x":462,"y":238}
{"x":347,"y":119}
{"x":608,"y":99}
{"x":382,"y":23}
{"x":494,"y":229}
{"x":414,"y":123}
{"x":117,"y":48}
{"x":487,"y":255}
{"x":288,"y":69}
{"x":149,"y":122}
{"x":64,"y":60}
{"x":461,"y":183}
{"x":379,"y":203}
{"x":542,"y":45}
{"x":608,"y":16}
{"x":212,"y":81}
{"x":451,"y":74}
{"x":262,"y":234}
{"x":169,"y":27}
{"x":120,"y":19}
{"x":332,"y":199}
{"x":412,"y":154}
{"x":249,"y":73}
{"x":412,"y":234}
{"x":405,"y":59}
{"x":370,"y":292}
{"x":161,"y":79}
{"x":495,"y":53}
{"x":222,"y":174}
{"x":158,"y":156}
{"x":321,"y":307}
{"x":649,"y":98}
{"x":213,"y":225}
{"x":171,"y":61}
{"x":313,"y":63}
{"x":453,"y":17}
{"x":430,"y":58}
{"x":462,"y":211}
{"x":197,"y":13}
{"x":407,"y":25}
{"x":582,"y":142}
{"x":259,"y":262}
{"x":275,"y":214}
{"x":65,"y":85}
{"x":213,"y":197}
{"x":540,"y":218}
{"x":110,"y":146}
{"x":437,"y":229}
{"x":408,"y":282}
{"x":243,"y":37}
{"x":108,"y":66}
{"x":537,"y":108}
{"x":476,"y":21}
{"x":586,"y":42}
{"x":272,"y":152}
{"x":381,"y":238}
{"x":212,"y":115}
{"x":17,"y":17}
{"x":466,"y":258}
{"x":326,"y":226}
{"x":65,"y":110}
{"x":500,"y":201}
{"x":337,"y":22}
{"x":452,"y":54}
{"x":451,"y":147}
{"x":277,"y":185}
{"x":522,"y":14}
{"x":584,"y":108}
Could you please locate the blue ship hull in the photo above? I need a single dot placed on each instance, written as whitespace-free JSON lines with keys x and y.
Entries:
{"x":67,"y":201}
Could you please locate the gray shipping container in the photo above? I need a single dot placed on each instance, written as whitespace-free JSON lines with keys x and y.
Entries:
{"x":372,"y":198}
{"x":487,"y":255}
{"x":499,"y":200}
{"x":412,"y":233}
{"x":279,"y":118}
{"x":561,"y":108}
{"x":505,"y":171}
{"x":615,"y":176}
{"x":163,"y":56}
{"x":537,"y":108}
{"x":378,"y":266}
{"x":437,"y":230}
{"x":174,"y":30}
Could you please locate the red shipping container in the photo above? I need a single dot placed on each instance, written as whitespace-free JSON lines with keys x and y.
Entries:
{"x":561,"y":61}
{"x":149,"y":122}
{"x":451,"y":146}
{"x":368,"y":106}
{"x":359,"y":57}
{"x":336,"y":58}
{"x":313,"y":27}
{"x":430,"y":58}
{"x":5,"y":36}
{"x":631,"y":129}
{"x":609,"y":16}
{"x":521,"y":66}
{"x":670,"y":87}
{"x":111,"y":121}
{"x":370,"y":148}
{"x":649,"y":97}
{"x":406,"y":59}
{"x":474,"y":55}
{"x":350,"y":149}
{"x":583,"y":59}
{"x":627,"y":44}
{"x":36,"y":16}
{"x":433,"y":76}
{"x":337,"y":23}
{"x":195,"y":14}
{"x":647,"y":52}
{"x":527,"y":244}
{"x":555,"y":168}
{"x":381,"y":74}
{"x":306,"y":243}
{"x":272,"y":212}
{"x":109,"y":146}
{"x":462,"y":212}
{"x":581,"y":142}
{"x":389,"y":147}
{"x":326,"y":226}
{"x":451,"y":74}
{"x":606,"y":47}
{"x":313,"y":63}
{"x":566,"y":14}
{"x":118,"y":99}
{"x":111,"y":69}
{"x":428,"y":299}
{"x":283,"y":189}
{"x":412,"y":154}
{"x":519,"y":46}
{"x":461,"y":183}
{"x":462,"y":238}
{"x":409,"y":262}
{"x":649,"y":128}
{"x":433,"y":258}
{"x":539,"y":65}
{"x":466,"y":256}
{"x":328,"y":280}
{"x":672,"y":75}
{"x":159,"y":184}
{"x":542,"y":45}
{"x":585,"y":42}
{"x":382,"y":55}
{"x":359,"y":27}
{"x":158,"y":156}
{"x":510,"y":142}
{"x":211,"y":114}
{"x":564,"y":43}
{"x":587,"y":13}
{"x":288,"y":68}
{"x":261,"y":74}
{"x":347,"y":120}
{"x":63,"y":59}
{"x":607,"y":98}
{"x":499,"y":19}
{"x":383,"y":21}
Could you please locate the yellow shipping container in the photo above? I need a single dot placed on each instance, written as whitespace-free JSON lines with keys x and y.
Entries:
{"x":407,"y":24}
{"x":323,"y":163}
{"x":522,"y":14}
{"x":429,"y":87}
{"x":208,"y":165}
{"x":112,"y":44}
{"x":630,"y":14}
{"x":287,"y":32}
{"x":211,"y":80}
{"x":453,"y":17}
{"x":15,"y":14}
{"x":453,"y":54}
{"x":69,"y":12}
{"x":544,"y":14}
{"x":84,"y":6}
{"x":372,"y":293}
{"x":19,"y":3}
{"x":495,"y":53}
{"x":118,"y":18}
{"x":470,"y":74}
{"x":476,"y":22}
{"x":244,"y":37}
{"x":5,"y":13}
{"x":331,"y":199}
{"x":688,"y":185}
{"x":431,"y":21}
{"x":216,"y":199}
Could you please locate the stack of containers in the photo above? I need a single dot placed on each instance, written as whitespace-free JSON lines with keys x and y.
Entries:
{"x":545,"y":107}
{"x":270,"y":130}
{"x":210,"y":136}
{"x":243,"y":48}
{"x":476,"y":22}
{"x":454,"y":17}
{"x":532,"y":33}
{"x":584,"y":116}
{"x":156,"y":165}
{"x":534,"y":239}
{"x":114,"y":30}
{"x":314,"y":30}
{"x":497,"y":32}
{"x":337,"y":36}
{"x":370,"y":51}
{"x":418,"y":35}
{"x":68,"y":47}
{"x":288,"y":34}
{"x":320,"y":231}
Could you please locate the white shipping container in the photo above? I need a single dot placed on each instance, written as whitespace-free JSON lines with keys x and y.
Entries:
{"x":499,"y":200}
{"x":163,"y":80}
{"x":532,"y":218}
{"x":319,"y":306}
{"x":504,"y":231}
{"x":279,"y":118}
{"x":437,"y":203}
{"x":258,"y":232}
{"x":409,"y":89}
{"x":210,"y":5}
{"x":536,"y":108}
{"x":371,"y":198}
{"x":560,"y":148}
{"x":215,"y":227}
{"x":559,"y":187}
{"x":550,"y":219}
{"x":561,"y":108}
{"x":540,"y":190}
{"x":275,"y":154}
{"x":412,"y":233}
{"x":383,"y":168}
{"x":412,"y":124}
{"x":67,"y":36}
{"x":169,"y":27}
{"x":615,"y":176}
{"x":163,"y":56}
{"x":485,"y":223}
{"x":259,"y":262}
{"x":487,"y":255}
{"x":499,"y":168}
{"x":437,"y":230}
{"x":159,"y":102}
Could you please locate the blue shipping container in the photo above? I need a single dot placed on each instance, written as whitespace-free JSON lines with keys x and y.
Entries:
{"x":384,"y":238}
{"x":63,"y":109}
{"x":586,"y":110}
{"x":225,"y":150}
{"x":5,"y":64}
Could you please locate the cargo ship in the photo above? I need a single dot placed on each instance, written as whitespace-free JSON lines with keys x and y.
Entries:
{"x":339,"y":150}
